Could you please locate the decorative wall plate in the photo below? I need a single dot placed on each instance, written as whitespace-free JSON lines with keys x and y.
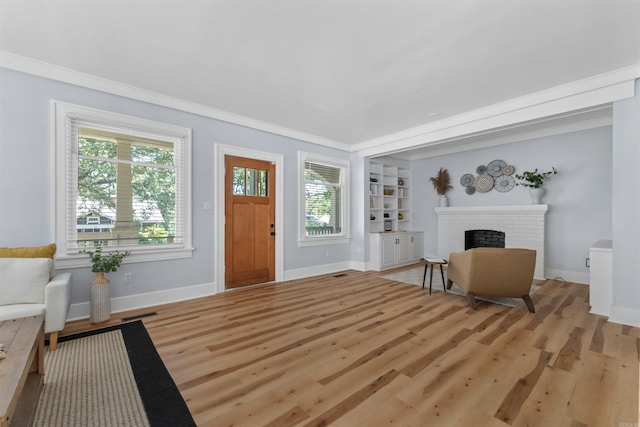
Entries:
{"x":504,"y":183}
{"x":470,"y":190}
{"x":483,"y":183}
{"x":467,"y":180}
{"x":481,"y":170}
{"x":508,"y":170}
{"x":494,"y":168}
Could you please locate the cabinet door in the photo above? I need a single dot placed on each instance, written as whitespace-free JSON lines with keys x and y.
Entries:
{"x":416,"y":247}
{"x":387,"y":251}
{"x":404,"y":251}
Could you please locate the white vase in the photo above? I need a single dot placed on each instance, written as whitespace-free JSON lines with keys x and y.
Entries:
{"x":100,"y":299}
{"x":536,"y":195}
{"x":444,"y":201}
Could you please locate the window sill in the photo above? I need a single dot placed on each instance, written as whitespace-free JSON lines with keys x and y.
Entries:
{"x":323,"y":240}
{"x":82,"y":260}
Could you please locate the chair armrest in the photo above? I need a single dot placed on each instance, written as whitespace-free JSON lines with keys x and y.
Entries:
{"x":57,"y":298}
{"x":459,"y":268}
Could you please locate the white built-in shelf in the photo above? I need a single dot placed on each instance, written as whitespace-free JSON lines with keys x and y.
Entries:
{"x":388,"y":197}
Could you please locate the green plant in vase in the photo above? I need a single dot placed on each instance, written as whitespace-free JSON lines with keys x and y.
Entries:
{"x":102,"y":263}
{"x":535,"y":180}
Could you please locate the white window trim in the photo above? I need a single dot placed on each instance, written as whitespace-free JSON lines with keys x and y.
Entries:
{"x":344,"y":237}
{"x":62,"y":110}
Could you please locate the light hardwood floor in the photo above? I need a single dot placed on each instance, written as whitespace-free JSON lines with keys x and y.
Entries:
{"x":361,"y":350}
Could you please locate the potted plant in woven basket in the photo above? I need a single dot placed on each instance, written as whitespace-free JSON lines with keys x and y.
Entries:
{"x":442,"y":183}
{"x":102,"y":263}
{"x":535,"y":180}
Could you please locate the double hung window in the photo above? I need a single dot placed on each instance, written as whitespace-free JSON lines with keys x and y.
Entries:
{"x":324,"y":217}
{"x":121,"y":182}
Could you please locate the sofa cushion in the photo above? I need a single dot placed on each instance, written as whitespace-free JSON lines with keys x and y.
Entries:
{"x":15,"y":311}
{"x":45,"y":251}
{"x":22,"y":280}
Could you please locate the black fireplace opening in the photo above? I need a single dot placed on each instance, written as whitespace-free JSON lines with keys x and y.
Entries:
{"x":483,"y":239}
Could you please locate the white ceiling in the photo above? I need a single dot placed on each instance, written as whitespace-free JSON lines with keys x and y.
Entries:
{"x":343,"y":71}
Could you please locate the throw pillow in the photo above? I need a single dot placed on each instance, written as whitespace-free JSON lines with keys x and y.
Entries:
{"x":22,"y":280}
{"x":46,"y":251}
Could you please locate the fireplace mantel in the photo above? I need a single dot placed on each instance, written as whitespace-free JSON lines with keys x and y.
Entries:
{"x":523,"y":225}
{"x":470,"y":210}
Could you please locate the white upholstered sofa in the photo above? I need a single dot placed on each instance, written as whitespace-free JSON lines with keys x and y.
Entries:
{"x":30,"y":287}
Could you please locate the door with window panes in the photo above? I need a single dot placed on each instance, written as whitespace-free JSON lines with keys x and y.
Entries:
{"x":249,"y":221}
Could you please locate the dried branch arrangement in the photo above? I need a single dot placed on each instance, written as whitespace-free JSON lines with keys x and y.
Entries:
{"x":441,"y":182}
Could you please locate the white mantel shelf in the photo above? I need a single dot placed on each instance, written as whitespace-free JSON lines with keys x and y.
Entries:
{"x":469,"y":210}
{"x":523,"y":225}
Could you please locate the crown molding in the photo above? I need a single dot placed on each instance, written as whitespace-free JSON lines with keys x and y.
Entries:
{"x":596,"y":117}
{"x":579,"y":95}
{"x":586,"y":94}
{"x":54,"y":72}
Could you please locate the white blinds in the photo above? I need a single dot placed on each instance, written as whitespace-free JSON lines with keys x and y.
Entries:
{"x":71,"y":190}
{"x":145,"y":202}
{"x":324,"y":199}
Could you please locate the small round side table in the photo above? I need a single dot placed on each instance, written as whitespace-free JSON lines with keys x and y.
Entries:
{"x":430,"y":261}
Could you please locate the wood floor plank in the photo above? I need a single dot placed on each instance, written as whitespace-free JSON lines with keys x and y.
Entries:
{"x":571,"y":351}
{"x":548,"y":400}
{"x":519,"y":393}
{"x":598,"y":379}
{"x":360,"y":349}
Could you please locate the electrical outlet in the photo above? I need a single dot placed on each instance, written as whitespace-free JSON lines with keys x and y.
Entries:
{"x":128,"y":277}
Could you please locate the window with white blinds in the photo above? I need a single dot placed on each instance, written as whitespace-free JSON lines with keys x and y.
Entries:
{"x":121,"y":182}
{"x":324,"y":207}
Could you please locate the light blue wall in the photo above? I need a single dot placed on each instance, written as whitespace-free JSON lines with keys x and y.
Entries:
{"x":579,"y":196}
{"x":626,"y":209}
{"x":27,"y":196}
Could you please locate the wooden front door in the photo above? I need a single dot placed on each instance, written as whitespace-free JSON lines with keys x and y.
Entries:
{"x":249,"y":221}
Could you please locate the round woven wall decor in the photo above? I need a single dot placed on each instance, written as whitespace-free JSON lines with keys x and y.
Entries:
{"x":494,"y":168}
{"x":504,"y":183}
{"x":483,"y":183}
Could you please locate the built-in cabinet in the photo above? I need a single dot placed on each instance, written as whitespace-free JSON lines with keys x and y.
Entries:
{"x":393,"y":249}
{"x":389,"y":208}
{"x":392,"y":242}
{"x":601,"y":277}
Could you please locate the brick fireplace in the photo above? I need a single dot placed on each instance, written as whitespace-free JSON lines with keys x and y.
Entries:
{"x":483,"y":239}
{"x":523,"y":225}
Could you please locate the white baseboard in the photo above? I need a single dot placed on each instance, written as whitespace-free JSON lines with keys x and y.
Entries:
{"x":133,"y":302}
{"x":317,"y":270}
{"x":624,"y":316}
{"x":569,"y":276}
{"x":359,"y":265}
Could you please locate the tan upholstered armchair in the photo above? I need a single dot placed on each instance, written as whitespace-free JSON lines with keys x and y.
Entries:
{"x":497,"y":272}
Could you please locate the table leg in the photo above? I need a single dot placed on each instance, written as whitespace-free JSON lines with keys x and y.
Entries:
{"x":424,"y":277}
{"x":430,"y":279}
{"x":444,"y":285}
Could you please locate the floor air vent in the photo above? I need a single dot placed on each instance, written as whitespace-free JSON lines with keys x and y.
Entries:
{"x":340,"y":275}
{"x":139,"y":316}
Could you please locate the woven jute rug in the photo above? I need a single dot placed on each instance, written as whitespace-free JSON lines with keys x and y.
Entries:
{"x":109,"y":377}
{"x":89,"y":382}
{"x":414,"y":277}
